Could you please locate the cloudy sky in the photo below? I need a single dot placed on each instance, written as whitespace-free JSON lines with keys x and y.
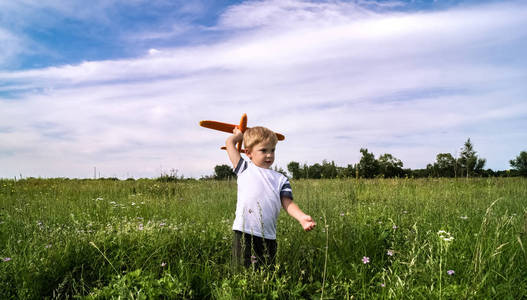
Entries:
{"x":121,"y":85}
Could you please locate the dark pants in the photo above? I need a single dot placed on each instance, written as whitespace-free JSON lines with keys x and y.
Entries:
{"x":250,"y":250}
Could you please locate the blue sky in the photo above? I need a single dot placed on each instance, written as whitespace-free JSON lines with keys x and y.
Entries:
{"x":121,"y":85}
{"x":111,"y":29}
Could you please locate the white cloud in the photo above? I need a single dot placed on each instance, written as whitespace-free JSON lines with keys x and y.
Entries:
{"x":332,"y":77}
{"x":283,"y":14}
{"x":10,"y":47}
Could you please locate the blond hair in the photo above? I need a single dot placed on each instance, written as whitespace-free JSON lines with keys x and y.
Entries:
{"x":258,"y":134}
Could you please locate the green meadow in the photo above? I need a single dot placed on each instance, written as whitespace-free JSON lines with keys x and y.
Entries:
{"x":377,"y":238}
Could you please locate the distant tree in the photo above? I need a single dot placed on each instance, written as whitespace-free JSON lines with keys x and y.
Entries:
{"x":469,"y":162}
{"x":368,"y":165}
{"x":315,"y":171}
{"x":488,"y":173}
{"x":421,"y":173}
{"x":445,"y":165}
{"x":305,"y":171}
{"x":294,"y":169}
{"x":346,"y":172}
{"x":389,"y":166}
{"x":223,"y":172}
{"x":505,"y":173}
{"x":407,"y":172}
{"x":520,"y":163}
{"x":329,"y":170}
{"x":430,"y":172}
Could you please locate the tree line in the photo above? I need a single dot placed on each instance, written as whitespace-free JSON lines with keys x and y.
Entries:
{"x":467,"y":164}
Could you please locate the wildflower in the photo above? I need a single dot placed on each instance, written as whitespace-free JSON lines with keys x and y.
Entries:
{"x":141,"y":226}
{"x":390,"y":253}
{"x":394,"y":227}
{"x":48,"y":246}
{"x":163,"y":264}
{"x":342,"y":214}
{"x":162,"y":224}
{"x":463,"y":217}
{"x":253,"y":259}
{"x":365,"y":260}
{"x":450,"y":272}
{"x":383,"y":285}
{"x":445,"y":236}
{"x":6,"y":259}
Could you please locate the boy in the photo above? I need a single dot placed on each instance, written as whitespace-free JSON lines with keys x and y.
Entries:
{"x":261,"y":192}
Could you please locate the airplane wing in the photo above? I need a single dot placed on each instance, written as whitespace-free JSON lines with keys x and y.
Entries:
{"x":225,"y":127}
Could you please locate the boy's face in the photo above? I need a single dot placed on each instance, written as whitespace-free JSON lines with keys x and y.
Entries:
{"x":262,"y":154}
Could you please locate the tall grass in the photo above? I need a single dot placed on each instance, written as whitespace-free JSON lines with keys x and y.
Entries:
{"x":148,"y":239}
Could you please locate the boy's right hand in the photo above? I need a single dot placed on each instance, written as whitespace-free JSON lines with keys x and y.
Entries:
{"x":238,"y":134}
{"x":234,"y":155}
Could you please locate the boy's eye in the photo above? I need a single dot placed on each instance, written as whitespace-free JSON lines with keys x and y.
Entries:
{"x":266,"y":150}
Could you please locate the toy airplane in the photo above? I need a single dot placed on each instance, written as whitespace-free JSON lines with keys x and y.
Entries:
{"x":225,"y":127}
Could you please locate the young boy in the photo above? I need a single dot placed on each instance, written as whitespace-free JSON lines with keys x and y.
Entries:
{"x":261,"y":192}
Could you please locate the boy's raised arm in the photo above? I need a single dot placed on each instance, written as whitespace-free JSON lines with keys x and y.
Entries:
{"x":230,"y":143}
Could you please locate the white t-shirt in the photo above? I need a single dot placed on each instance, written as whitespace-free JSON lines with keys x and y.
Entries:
{"x":259,"y":199}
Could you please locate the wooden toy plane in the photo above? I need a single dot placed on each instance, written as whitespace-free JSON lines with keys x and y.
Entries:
{"x":226,"y":127}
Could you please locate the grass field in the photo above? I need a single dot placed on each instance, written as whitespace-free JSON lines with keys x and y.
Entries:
{"x":143,"y":239}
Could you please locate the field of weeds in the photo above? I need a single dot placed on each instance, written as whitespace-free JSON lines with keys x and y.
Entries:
{"x":383,"y":238}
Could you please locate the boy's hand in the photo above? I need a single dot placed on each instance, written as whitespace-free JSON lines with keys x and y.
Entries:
{"x":238,"y":135}
{"x":230,"y":143}
{"x":293,"y":210}
{"x":307,"y":223}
